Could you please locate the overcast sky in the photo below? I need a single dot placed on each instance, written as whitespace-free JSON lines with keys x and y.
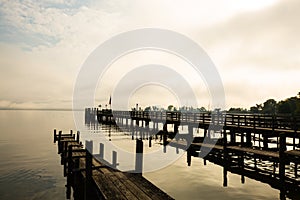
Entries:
{"x":254,"y":44}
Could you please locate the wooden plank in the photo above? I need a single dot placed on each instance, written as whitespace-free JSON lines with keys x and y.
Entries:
{"x":151,"y":190}
{"x":140,"y":194}
{"x":255,"y":151}
{"x":106,"y":187}
{"x":293,"y":152}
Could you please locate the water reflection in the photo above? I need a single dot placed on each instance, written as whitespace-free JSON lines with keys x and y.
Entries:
{"x":196,"y":182}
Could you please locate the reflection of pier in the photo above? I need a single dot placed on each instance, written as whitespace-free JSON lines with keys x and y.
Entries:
{"x":92,"y":179}
{"x":261,"y":147}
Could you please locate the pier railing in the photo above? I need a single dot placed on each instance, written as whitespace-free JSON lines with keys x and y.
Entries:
{"x":255,"y":121}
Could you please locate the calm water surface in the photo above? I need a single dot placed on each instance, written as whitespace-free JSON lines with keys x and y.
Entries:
{"x":30,"y":166}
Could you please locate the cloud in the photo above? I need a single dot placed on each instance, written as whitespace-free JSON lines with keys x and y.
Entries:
{"x":43,"y":44}
{"x":265,"y":39}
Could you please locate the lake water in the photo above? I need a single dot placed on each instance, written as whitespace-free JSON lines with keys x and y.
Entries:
{"x":30,"y":166}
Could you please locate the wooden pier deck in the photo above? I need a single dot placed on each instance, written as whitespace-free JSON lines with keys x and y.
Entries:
{"x":91,"y":179}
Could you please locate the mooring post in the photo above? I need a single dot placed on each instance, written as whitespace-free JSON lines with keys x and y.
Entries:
{"x":165,"y":137}
{"x":64,"y":157}
{"x":59,"y":142}
{"x":54,"y":139}
{"x":282,"y":149}
{"x":89,"y":174}
{"x":150,"y":141}
{"x":139,"y":157}
{"x":69,"y":174}
{"x":114,"y":159}
{"x":242,"y":179}
{"x":226,"y":160}
{"x":101,"y":151}
{"x":225,"y":180}
{"x":189,"y":156}
{"x":78,"y":136}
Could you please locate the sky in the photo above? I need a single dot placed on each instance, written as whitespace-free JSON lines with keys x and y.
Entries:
{"x":253,"y":44}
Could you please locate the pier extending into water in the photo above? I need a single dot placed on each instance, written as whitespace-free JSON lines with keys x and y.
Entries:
{"x":261,"y":147}
{"x":92,"y":179}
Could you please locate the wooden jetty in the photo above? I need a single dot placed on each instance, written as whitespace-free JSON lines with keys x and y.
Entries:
{"x":91,"y":179}
{"x":245,"y":142}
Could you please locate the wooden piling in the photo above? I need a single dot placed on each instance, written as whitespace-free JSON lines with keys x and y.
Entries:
{"x":70,"y":173}
{"x":101,"y":151}
{"x":88,"y":174}
{"x":189,"y":156}
{"x":150,"y":141}
{"x":54,"y":140}
{"x":282,"y":149}
{"x":114,"y":159}
{"x":225,"y":157}
{"x":139,"y":156}
{"x":78,"y":136}
{"x":59,"y":143}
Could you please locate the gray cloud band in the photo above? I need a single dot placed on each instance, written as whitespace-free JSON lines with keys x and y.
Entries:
{"x":142,"y":39}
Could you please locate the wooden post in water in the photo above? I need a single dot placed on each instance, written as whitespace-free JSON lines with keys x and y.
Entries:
{"x":59,"y":143}
{"x":139,"y":156}
{"x":282,"y":149}
{"x":89,"y":174}
{"x":150,"y":141}
{"x":114,"y":159}
{"x":101,"y":151}
{"x":64,"y":157}
{"x":189,"y":156}
{"x":78,"y":136}
{"x":190,"y":135}
{"x":225,"y":166}
{"x":69,"y":174}
{"x":54,"y":140}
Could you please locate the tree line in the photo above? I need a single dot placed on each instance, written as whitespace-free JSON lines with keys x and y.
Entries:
{"x":288,"y":106}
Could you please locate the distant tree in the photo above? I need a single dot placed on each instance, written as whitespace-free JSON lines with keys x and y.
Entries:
{"x":202,"y":109}
{"x":269,"y":106}
{"x":147,"y":108}
{"x":170,"y":107}
{"x":254,"y":109}
{"x":284,"y":107}
{"x":289,"y":106}
{"x":237,"y":110}
{"x":259,"y":107}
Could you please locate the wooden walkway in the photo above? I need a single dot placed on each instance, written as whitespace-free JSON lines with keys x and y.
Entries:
{"x":91,"y":179}
{"x":238,"y":150}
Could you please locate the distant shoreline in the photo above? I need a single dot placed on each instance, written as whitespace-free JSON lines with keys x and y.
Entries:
{"x":42,"y":109}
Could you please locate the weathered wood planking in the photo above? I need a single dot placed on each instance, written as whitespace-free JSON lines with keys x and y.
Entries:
{"x":107,"y":183}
